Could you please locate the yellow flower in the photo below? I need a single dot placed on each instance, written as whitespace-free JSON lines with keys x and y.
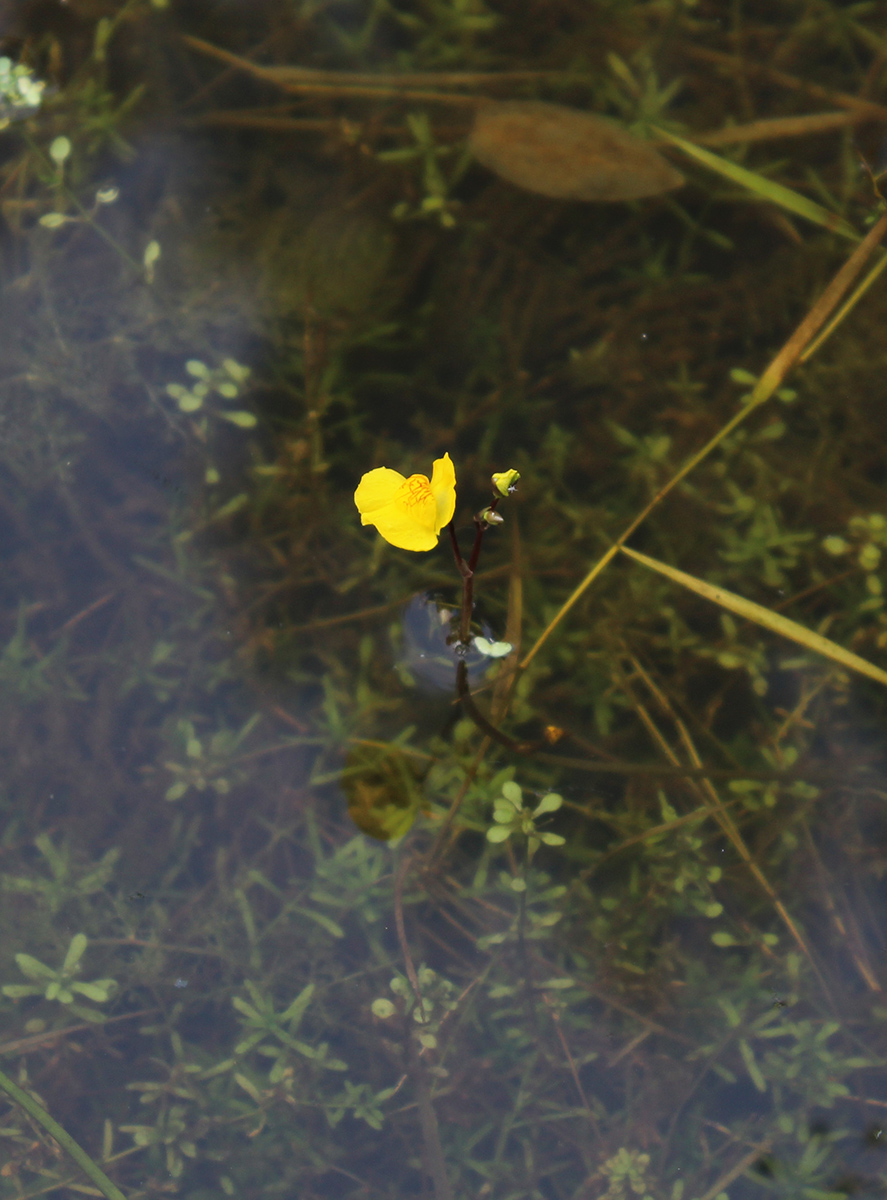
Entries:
{"x":409,"y":513}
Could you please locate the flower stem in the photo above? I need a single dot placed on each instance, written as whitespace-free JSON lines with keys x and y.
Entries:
{"x":466,"y":570}
{"x":463,"y":690}
{"x":464,"y":693}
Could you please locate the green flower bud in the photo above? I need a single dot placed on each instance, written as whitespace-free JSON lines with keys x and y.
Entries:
{"x":504,"y":481}
{"x":489,"y":517}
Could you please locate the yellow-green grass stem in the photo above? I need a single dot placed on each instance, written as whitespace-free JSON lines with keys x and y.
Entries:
{"x":765,"y":617}
{"x":849,"y":304}
{"x":771,"y":379}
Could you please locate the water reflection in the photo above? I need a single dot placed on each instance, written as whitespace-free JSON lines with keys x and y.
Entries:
{"x":429,"y":654}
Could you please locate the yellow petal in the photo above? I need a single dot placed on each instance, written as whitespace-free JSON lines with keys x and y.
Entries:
{"x":401,"y":529}
{"x":376,"y":489}
{"x":443,"y":488}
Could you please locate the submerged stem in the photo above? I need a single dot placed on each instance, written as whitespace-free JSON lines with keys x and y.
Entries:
{"x":467,"y":570}
{"x":434,"y":1155}
{"x":464,"y":692}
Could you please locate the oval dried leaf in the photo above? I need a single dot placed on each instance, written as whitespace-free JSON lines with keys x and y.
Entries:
{"x":383,"y":791}
{"x":567,"y":154}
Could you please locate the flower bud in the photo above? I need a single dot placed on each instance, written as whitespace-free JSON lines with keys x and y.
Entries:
{"x":504,"y":481}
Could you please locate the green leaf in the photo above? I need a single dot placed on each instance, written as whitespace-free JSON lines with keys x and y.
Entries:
{"x":246,"y":1009}
{"x":249,"y":1087}
{"x":32,"y":968}
{"x":99,"y":990}
{"x":492,"y":649}
{"x":513,"y":794}
{"x":17,"y":991}
{"x":293,"y":1015}
{"x":324,"y":921}
{"x":59,"y":150}
{"x":773,"y":621}
{"x":761,"y":186}
{"x":740,"y":375}
{"x":751,"y":1065}
{"x":75,"y":952}
{"x":88,"y":1014}
{"x":235,"y":504}
{"x":498,"y":833}
{"x":549,"y":803}
{"x":249,"y":1042}
{"x":551,"y":839}
{"x":236,"y":370}
{"x":246,"y":420}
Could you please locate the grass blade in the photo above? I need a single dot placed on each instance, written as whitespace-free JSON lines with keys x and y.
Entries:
{"x":64,"y":1139}
{"x":765,"y":617}
{"x":761,"y":186}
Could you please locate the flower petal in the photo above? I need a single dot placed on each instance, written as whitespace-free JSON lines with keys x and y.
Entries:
{"x":443,"y":488}
{"x":400,"y":527}
{"x":377,"y":489}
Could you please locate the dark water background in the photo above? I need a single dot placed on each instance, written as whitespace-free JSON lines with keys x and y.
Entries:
{"x":206,"y":662}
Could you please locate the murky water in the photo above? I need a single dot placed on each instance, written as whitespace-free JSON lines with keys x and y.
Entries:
{"x":314,"y":882}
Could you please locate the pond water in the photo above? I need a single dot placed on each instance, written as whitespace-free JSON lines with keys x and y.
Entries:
{"x":317,"y":881}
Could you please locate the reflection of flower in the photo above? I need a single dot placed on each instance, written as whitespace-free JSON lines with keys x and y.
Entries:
{"x":409,"y":513}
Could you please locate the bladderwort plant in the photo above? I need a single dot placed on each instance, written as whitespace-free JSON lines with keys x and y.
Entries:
{"x":65,"y":879}
{"x":61,"y":983}
{"x":410,"y":514}
{"x":514,"y":819}
{"x":210,"y":762}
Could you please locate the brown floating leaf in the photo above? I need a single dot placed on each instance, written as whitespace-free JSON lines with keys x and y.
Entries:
{"x":383,"y":792}
{"x":567,"y":154}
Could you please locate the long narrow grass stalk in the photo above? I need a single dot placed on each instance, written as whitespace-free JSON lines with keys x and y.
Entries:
{"x":765,"y":617}
{"x":765,"y":387}
{"x":760,"y":186}
{"x":849,"y":304}
{"x":64,"y":1139}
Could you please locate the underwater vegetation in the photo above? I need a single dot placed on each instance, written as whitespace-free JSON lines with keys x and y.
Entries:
{"x":513,"y":831}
